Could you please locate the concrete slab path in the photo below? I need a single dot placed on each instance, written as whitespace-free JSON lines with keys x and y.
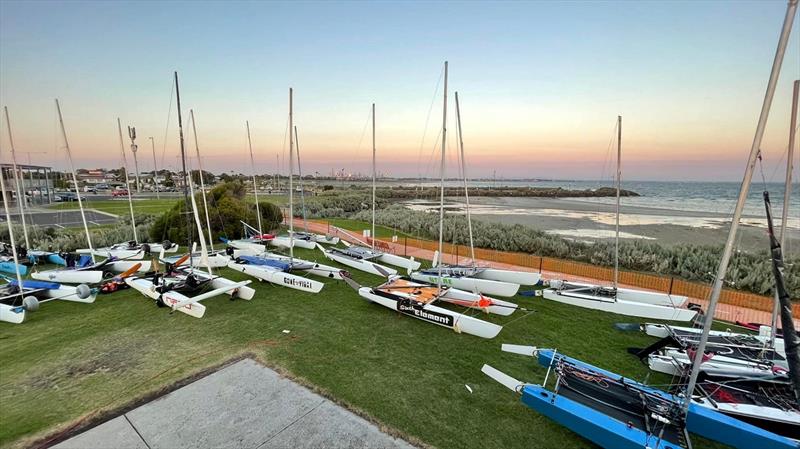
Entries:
{"x":244,"y":405}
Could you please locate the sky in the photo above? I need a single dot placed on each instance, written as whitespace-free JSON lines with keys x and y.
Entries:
{"x":540,"y":84}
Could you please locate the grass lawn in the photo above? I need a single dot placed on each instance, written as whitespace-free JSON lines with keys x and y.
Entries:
{"x":70,"y":361}
{"x":120,"y":206}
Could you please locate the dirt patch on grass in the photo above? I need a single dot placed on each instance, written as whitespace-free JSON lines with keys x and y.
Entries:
{"x":120,"y":357}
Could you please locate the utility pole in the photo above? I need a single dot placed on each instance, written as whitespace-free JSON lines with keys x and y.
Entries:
{"x":155,"y":167}
{"x":134,"y":148}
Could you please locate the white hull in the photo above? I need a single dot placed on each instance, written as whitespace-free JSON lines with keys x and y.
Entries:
{"x":216,"y":260}
{"x":489,"y":287}
{"x":662,"y":330}
{"x":513,"y":277}
{"x":402,"y":262}
{"x":277,"y":277}
{"x":9,"y":314}
{"x":674,"y":361}
{"x":633,"y":295}
{"x":618,"y":306}
{"x":69,"y":293}
{"x":437,"y":315}
{"x":157,"y":247}
{"x":763,"y":413}
{"x":318,"y":269}
{"x":122,"y":266}
{"x":360,"y":264}
{"x":118,"y":253}
{"x":284,"y":242}
{"x":145,"y":287}
{"x":69,"y":276}
{"x":321,"y":238}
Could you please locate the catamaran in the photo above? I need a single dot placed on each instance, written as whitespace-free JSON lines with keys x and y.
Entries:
{"x":472,"y":277}
{"x":86,"y":271}
{"x":173,"y":288}
{"x":617,"y":412}
{"x":362,"y":257}
{"x":270,"y":267}
{"x":18,"y":296}
{"x":622,"y":301}
{"x":132,"y":249}
{"x":417,"y":299}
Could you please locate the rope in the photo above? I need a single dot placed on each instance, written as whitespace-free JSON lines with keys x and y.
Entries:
{"x":427,"y":122}
{"x":166,"y":127}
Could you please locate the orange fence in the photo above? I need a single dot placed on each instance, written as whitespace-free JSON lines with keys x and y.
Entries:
{"x":666,"y":284}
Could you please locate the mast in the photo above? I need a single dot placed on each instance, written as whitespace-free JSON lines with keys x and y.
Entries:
{"x":300,"y":174}
{"x":291,"y":189}
{"x":464,"y":173}
{"x":189,"y":230}
{"x":255,"y":186}
{"x":127,"y":181}
{"x":10,"y":227}
{"x":17,"y":183}
{"x":202,"y":183}
{"x":787,"y":193}
{"x":75,"y":181}
{"x":441,"y":170}
{"x":155,"y":167}
{"x":373,"y":176}
{"x":737,"y":214}
{"x":619,"y":182}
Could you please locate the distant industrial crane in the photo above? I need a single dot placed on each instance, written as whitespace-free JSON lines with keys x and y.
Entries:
{"x":134,"y":148}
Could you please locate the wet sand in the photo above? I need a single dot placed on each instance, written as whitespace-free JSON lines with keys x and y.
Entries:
{"x":591,"y":221}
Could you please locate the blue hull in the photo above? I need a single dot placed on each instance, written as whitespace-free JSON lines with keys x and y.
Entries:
{"x":702,"y":421}
{"x":590,"y":423}
{"x":11,"y":268}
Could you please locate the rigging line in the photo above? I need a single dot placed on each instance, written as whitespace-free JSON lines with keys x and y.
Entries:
{"x":782,"y":157}
{"x":434,"y":152}
{"x":363,"y":133}
{"x":166,"y":127}
{"x":427,"y":122}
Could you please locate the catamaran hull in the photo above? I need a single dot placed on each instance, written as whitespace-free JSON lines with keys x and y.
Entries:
{"x":589,"y":423}
{"x":489,"y":287}
{"x":512,"y":277}
{"x":11,"y":268}
{"x":620,"y":307}
{"x":68,"y":293}
{"x":675,"y":362}
{"x":284,"y":242}
{"x":146,"y":287}
{"x":472,"y":300}
{"x":317,"y":269}
{"x":360,"y":264}
{"x":278,"y":277}
{"x":67,"y":276}
{"x":11,"y":314}
{"x":663,"y":330}
{"x":402,"y":262}
{"x":701,"y":420}
{"x":436,"y":315}
{"x":129,"y":254}
{"x":632,"y":295}
{"x":215,"y":260}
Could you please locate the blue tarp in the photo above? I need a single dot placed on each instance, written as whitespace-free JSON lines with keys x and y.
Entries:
{"x":84,"y":261}
{"x":37,"y":284}
{"x":266,"y":262}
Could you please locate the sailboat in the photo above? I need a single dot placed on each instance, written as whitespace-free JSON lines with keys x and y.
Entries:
{"x":85,"y":270}
{"x":131,"y":249}
{"x":614,"y":299}
{"x":617,"y":412}
{"x":270,"y":267}
{"x":182,"y":288}
{"x":18,"y":296}
{"x":365,"y":258}
{"x":26,"y":253}
{"x":470,"y":277}
{"x":212,"y":259}
{"x":305,"y":234}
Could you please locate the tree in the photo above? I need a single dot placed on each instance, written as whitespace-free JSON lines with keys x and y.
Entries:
{"x":208,"y":177}
{"x":271,"y":215}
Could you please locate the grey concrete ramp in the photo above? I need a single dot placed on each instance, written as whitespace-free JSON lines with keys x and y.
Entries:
{"x":244,"y":405}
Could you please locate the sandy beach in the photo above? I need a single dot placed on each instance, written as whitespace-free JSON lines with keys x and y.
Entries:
{"x":588,"y":221}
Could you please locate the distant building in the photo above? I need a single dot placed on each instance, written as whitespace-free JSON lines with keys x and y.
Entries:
{"x":36,"y":180}
{"x":96,"y":176}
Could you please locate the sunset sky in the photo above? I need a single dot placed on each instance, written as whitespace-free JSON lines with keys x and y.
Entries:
{"x":540,"y":84}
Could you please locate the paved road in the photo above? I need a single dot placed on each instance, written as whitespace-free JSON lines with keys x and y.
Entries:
{"x":64,"y":218}
{"x":244,"y":405}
